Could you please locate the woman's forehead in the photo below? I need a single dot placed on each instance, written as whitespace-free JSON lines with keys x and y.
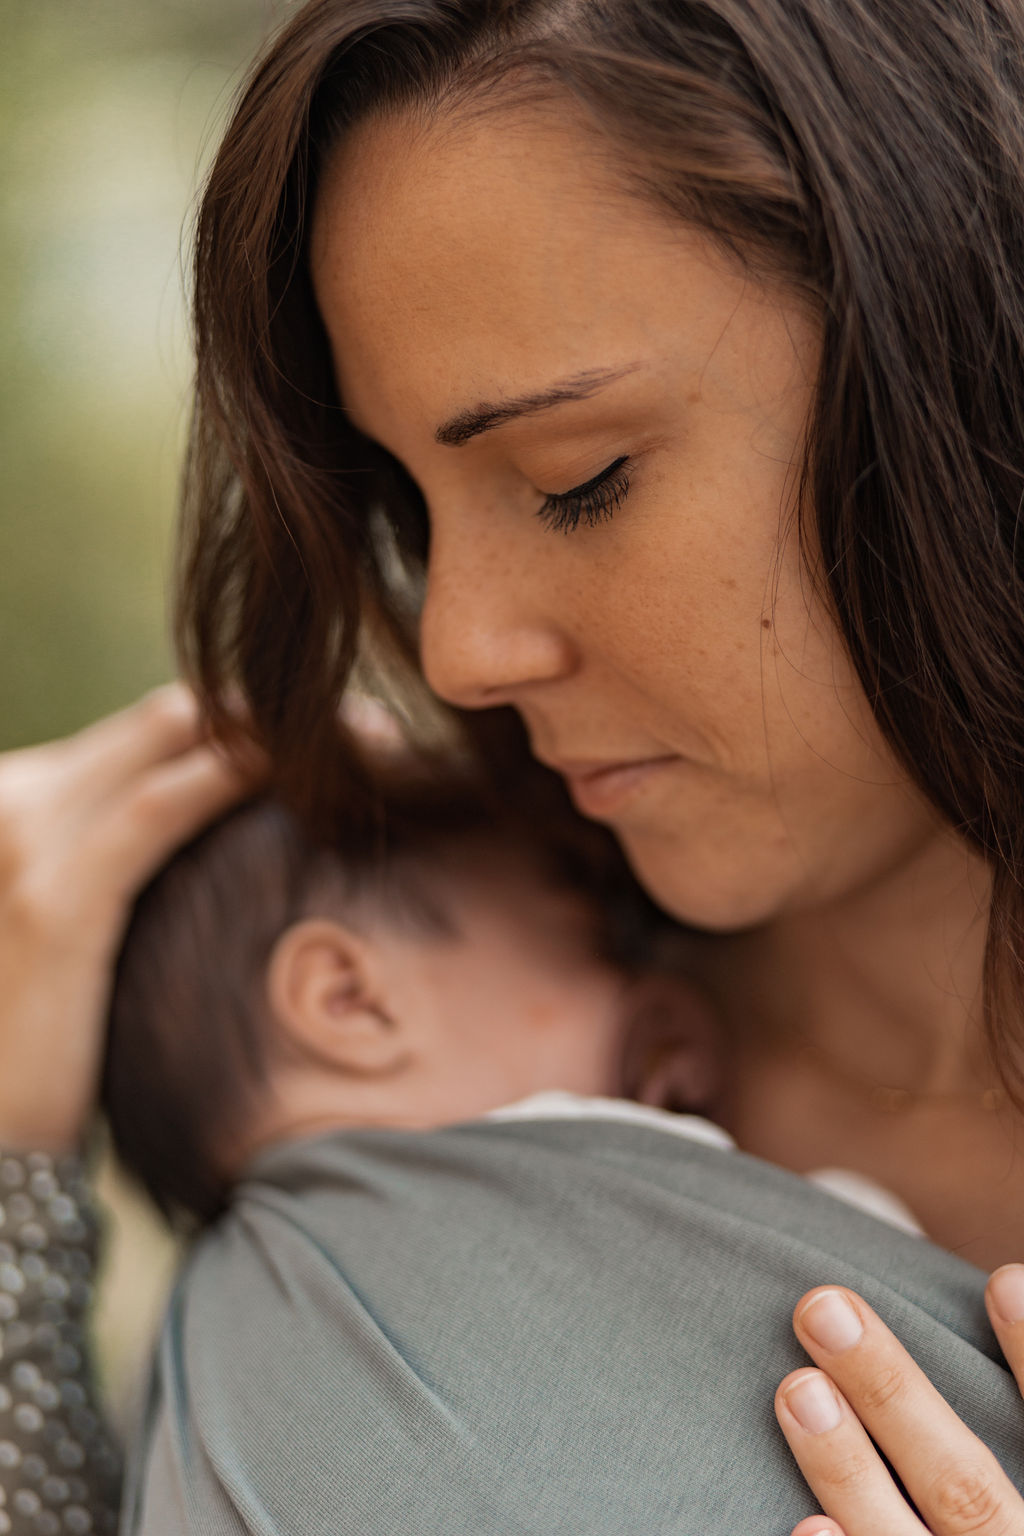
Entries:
{"x":500,"y":257}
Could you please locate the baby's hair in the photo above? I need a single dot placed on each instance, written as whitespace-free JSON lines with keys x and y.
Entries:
{"x":189,"y":1046}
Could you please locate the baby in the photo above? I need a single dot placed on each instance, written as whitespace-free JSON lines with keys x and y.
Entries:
{"x":443,"y":969}
{"x":271,"y":988}
{"x":432,"y":1080}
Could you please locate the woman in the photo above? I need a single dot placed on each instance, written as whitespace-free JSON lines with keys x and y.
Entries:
{"x":652,"y":370}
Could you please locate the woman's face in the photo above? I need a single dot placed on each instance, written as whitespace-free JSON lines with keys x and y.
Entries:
{"x":510,"y":324}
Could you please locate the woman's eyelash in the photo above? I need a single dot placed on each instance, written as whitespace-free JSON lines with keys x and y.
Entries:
{"x":590,"y":503}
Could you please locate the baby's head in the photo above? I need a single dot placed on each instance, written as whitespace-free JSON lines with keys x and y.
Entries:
{"x":269,"y":987}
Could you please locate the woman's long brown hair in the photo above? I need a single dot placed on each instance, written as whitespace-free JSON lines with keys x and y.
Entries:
{"x":870,"y":152}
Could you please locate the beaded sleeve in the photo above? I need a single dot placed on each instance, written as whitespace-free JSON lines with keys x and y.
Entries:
{"x":59,"y":1467}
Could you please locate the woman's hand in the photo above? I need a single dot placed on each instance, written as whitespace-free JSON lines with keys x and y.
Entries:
{"x":868,"y":1384}
{"x":83,"y":823}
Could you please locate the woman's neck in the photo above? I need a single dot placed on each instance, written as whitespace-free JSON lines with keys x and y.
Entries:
{"x":886,"y":982}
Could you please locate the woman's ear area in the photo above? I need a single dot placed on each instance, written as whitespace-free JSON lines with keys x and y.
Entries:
{"x":324,"y":1000}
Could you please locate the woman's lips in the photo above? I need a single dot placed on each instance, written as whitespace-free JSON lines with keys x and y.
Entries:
{"x":600,"y":791}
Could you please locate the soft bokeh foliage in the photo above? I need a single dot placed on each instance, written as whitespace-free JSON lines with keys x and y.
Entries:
{"x":106,"y":111}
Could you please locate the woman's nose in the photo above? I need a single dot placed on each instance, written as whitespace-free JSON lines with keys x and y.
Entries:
{"x":485,"y":636}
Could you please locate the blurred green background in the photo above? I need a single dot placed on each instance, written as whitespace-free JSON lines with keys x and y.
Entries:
{"x":108,"y":112}
{"x":107,"y":109}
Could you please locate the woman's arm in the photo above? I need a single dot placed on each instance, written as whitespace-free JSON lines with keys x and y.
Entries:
{"x":83,"y":823}
{"x":59,"y":1466}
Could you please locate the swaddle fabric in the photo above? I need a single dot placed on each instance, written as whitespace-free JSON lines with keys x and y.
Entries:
{"x":522,"y":1328}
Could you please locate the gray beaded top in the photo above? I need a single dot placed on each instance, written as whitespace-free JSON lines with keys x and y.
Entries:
{"x":59,"y":1468}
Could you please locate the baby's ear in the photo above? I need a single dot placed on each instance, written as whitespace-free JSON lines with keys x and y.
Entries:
{"x":672,"y":1050}
{"x":321,"y":997}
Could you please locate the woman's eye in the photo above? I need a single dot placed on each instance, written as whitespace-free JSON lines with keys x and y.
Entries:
{"x":589,"y":503}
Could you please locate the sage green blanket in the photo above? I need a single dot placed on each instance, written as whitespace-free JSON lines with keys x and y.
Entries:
{"x":524,"y":1328}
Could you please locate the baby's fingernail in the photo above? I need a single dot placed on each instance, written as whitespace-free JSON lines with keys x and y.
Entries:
{"x":1006,"y":1288}
{"x":832,"y":1322}
{"x":813,"y":1404}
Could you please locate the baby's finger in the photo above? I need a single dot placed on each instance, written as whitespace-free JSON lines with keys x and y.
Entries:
{"x":841,"y":1466}
{"x":1004,"y":1297}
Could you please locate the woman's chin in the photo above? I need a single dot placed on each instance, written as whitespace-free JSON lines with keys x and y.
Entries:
{"x":723,"y":893}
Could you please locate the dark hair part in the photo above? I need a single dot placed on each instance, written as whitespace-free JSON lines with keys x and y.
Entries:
{"x":190,"y":1044}
{"x":870,"y":152}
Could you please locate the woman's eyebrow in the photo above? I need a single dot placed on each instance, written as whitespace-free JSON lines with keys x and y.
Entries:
{"x":486,"y":415}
